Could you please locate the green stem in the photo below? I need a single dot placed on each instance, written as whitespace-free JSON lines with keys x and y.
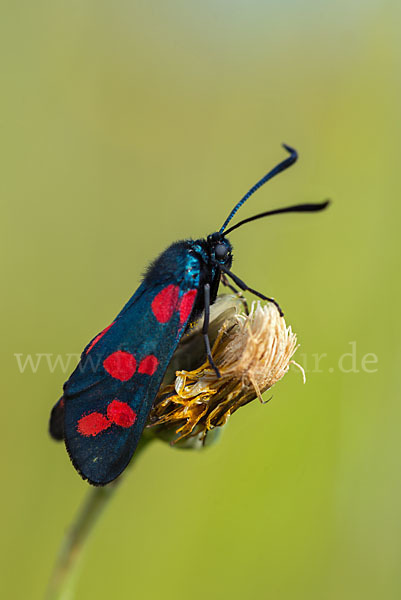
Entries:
{"x":62,"y":582}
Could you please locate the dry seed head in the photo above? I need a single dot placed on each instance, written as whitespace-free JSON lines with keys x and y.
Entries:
{"x":252,"y":352}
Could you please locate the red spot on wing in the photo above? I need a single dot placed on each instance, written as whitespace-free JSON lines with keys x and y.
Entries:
{"x":186,"y":305}
{"x":120,"y":365}
{"x":120,"y":413}
{"x":97,"y":338}
{"x":148,"y":365}
{"x":165,"y":303}
{"x":93,"y":424}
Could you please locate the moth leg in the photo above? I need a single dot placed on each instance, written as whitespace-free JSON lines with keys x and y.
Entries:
{"x":242,"y":285}
{"x":205,"y":328}
{"x":238,"y":293}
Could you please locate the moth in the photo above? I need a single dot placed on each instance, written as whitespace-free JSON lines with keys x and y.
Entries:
{"x":107,"y":399}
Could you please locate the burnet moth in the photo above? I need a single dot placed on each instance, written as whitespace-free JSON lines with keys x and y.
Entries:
{"x":107,"y":399}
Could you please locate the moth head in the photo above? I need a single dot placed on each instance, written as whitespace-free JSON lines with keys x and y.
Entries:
{"x":220,"y":249}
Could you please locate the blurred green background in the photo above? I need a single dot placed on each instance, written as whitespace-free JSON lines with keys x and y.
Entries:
{"x":127,"y":125}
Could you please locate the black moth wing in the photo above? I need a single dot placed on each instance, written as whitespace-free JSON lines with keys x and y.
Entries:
{"x":108,"y":397}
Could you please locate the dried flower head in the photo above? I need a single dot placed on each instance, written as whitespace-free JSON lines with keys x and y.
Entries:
{"x":252,"y":351}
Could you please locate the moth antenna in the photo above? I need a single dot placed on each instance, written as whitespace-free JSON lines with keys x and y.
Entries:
{"x":299,"y":208}
{"x":275,"y":171}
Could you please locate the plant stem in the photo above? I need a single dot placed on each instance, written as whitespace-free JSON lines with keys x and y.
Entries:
{"x":62,"y":582}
